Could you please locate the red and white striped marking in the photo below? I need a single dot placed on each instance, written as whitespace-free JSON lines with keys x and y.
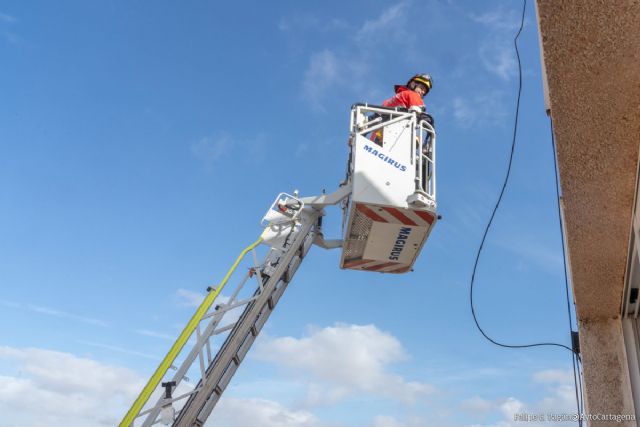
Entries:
{"x":374,"y":265}
{"x":410,"y":217}
{"x":389,"y":215}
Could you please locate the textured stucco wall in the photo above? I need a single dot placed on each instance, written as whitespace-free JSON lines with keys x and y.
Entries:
{"x":606,"y":380}
{"x":591,"y":55}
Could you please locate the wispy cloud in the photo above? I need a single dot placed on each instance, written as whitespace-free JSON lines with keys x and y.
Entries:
{"x":8,"y":19}
{"x":323,"y":72}
{"x":189,"y":298}
{"x":499,"y":58}
{"x":153,"y":334}
{"x":118,"y":349}
{"x":499,"y":19}
{"x":257,"y":148}
{"x":350,"y":67}
{"x":48,"y":311}
{"x":212,"y":149}
{"x":309,"y":22}
{"x":532,"y":250}
{"x":554,"y":376}
{"x":389,"y":25}
{"x":496,"y":51}
{"x":479,"y":110}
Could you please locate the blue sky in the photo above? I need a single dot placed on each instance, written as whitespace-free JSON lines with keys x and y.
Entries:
{"x":140,"y":144}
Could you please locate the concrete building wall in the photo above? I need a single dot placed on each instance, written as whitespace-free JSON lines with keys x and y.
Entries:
{"x":607,"y":380}
{"x":591,"y":56}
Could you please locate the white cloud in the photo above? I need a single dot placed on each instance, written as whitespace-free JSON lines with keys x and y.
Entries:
{"x":390,"y":25}
{"x":350,"y":67}
{"x":322,"y":73}
{"x":48,"y":311}
{"x":211,"y":149}
{"x":350,"y":358}
{"x":480,"y":110}
{"x":54,"y":388}
{"x":257,"y":149}
{"x":551,"y":376}
{"x":477,"y":405}
{"x":496,"y":51}
{"x":499,"y":19}
{"x":259,"y":412}
{"x":6,"y":18}
{"x":387,"y":421}
{"x":194,"y":299}
{"x":308,"y":22}
{"x":13,"y":38}
{"x":499,"y":58}
{"x":154,"y":334}
{"x":531,"y":250}
{"x":189,"y":298}
{"x":511,"y":406}
{"x":560,"y":399}
{"x":117,"y":349}
{"x":321,"y":395}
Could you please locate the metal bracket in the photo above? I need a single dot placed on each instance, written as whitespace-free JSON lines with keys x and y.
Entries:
{"x":328,"y":199}
{"x":575,"y":342}
{"x":319,"y":240}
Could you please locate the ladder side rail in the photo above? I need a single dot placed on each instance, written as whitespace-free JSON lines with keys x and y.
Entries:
{"x":211,"y":329}
{"x":186,"y":409}
{"x":228,"y":360}
{"x":188,"y":416}
{"x":231,"y":368}
{"x":180,"y":374}
{"x":262,"y":318}
{"x":179,"y":344}
{"x":225,"y":364}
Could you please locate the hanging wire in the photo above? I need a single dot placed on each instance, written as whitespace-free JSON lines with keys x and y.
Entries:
{"x":576,"y":367}
{"x":575,"y":356}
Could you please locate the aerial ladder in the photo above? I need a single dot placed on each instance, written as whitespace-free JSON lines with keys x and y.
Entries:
{"x":388,"y":202}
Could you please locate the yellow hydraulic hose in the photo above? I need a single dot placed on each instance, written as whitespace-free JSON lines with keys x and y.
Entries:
{"x":180,"y":342}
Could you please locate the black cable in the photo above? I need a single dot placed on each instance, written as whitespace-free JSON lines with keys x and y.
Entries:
{"x":580,"y":385}
{"x":575,"y":357}
{"x":504,"y":186}
{"x":576,"y":377}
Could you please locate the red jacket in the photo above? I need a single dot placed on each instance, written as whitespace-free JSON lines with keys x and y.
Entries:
{"x":404,"y":97}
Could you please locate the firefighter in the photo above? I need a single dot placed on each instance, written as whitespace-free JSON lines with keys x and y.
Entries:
{"x":409,"y":96}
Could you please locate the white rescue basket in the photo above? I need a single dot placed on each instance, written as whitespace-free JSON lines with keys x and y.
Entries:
{"x":392,"y":207}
